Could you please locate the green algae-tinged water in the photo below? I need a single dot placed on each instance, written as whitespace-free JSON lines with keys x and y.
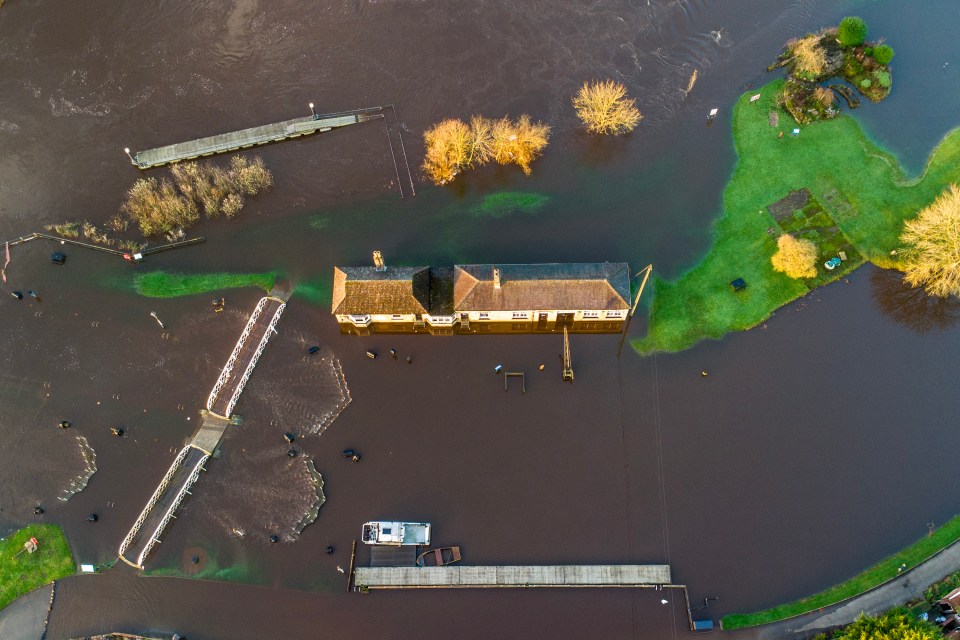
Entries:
{"x":770,"y":464}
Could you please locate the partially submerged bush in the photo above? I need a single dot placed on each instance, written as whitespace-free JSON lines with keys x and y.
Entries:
{"x":605,"y":108}
{"x":824,"y":96}
{"x":159,"y":207}
{"x":452,"y":145}
{"x":883,"y":78}
{"x":795,"y":257}
{"x":883,"y":54}
{"x":852,"y":31}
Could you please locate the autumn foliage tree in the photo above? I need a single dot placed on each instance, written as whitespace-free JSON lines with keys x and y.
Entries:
{"x":453,"y":145}
{"x":795,"y":257}
{"x":604,"y":107}
{"x":931,"y":257}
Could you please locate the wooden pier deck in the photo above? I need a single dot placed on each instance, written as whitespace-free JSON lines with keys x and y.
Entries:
{"x":489,"y":577}
{"x":254,"y":136}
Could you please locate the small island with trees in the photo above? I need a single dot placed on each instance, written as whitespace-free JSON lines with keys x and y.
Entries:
{"x":835,"y":53}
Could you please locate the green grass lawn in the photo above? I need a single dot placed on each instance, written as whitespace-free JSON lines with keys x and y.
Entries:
{"x":20,"y":574}
{"x":860,"y":186}
{"x":160,"y":284}
{"x":872,"y":577}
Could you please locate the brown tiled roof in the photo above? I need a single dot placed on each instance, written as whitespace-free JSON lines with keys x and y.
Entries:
{"x":361,"y":290}
{"x":600,"y":286}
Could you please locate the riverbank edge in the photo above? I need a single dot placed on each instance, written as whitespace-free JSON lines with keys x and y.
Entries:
{"x":734,"y":226}
{"x":889,"y":566}
{"x":50,"y":536}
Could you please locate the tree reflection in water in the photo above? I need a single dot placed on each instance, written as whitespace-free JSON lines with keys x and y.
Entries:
{"x":911,"y":306}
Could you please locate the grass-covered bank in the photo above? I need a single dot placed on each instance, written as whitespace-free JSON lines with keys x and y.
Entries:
{"x":874,"y":576}
{"x":20,"y":574}
{"x":160,"y":284}
{"x":860,"y":186}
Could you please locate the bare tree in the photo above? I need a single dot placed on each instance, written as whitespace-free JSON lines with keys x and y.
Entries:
{"x":604,"y":107}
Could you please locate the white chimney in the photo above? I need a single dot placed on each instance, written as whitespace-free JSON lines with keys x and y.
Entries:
{"x":378,"y":261}
{"x":496,"y":278}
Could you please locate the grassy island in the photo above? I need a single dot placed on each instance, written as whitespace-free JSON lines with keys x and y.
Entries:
{"x":855,"y":196}
{"x":20,"y":574}
{"x":160,"y":284}
{"x":876,"y":575}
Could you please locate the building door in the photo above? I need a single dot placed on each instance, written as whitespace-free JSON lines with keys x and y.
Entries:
{"x":564,"y":319}
{"x":542,"y":321}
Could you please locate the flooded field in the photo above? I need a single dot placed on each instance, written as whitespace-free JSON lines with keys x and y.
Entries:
{"x":809,"y":452}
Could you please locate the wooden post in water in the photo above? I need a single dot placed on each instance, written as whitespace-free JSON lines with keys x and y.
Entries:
{"x":567,"y":363}
{"x":353,"y":558}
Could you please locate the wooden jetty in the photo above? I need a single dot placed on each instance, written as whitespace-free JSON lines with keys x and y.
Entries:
{"x":254,"y":136}
{"x":186,"y":467}
{"x":491,"y":577}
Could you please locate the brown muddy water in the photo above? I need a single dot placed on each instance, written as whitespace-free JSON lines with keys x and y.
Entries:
{"x":814,"y":448}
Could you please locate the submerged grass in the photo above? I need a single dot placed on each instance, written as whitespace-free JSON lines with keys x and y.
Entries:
{"x":862,"y":187}
{"x":20,"y":574}
{"x":874,"y":576}
{"x":161,"y":284}
{"x":317,"y":292}
{"x":505,"y":203}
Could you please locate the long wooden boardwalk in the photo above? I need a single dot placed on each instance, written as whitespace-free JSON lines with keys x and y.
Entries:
{"x":460,"y":577}
{"x":186,"y":467}
{"x":254,"y":136}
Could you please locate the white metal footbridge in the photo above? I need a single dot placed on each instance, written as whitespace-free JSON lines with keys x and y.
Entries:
{"x":186,"y":467}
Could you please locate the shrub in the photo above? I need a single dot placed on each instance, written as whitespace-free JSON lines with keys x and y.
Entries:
{"x":883,"y":78}
{"x":824,"y":96}
{"x":605,"y":108}
{"x":883,"y":54}
{"x":852,"y":31}
{"x":809,"y":58}
{"x":161,"y":207}
{"x":794,"y":257}
{"x":931,"y":258}
{"x":896,"y":624}
{"x":866,"y":83}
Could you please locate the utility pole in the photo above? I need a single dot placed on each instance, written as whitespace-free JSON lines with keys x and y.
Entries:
{"x":636,"y":301}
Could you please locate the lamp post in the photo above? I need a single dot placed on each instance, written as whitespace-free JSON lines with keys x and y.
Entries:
{"x":313,"y":111}
{"x":126,"y":150}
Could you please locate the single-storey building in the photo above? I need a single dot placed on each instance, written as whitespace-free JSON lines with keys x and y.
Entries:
{"x":480,"y":298}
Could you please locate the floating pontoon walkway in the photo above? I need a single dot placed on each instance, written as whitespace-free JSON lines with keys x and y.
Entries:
{"x":461,"y":577}
{"x":246,"y":138}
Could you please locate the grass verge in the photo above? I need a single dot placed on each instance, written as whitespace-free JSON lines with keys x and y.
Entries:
{"x":862,"y":187}
{"x":874,"y":576}
{"x":160,"y":284}
{"x":20,"y":574}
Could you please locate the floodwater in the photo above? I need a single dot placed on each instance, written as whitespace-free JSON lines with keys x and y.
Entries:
{"x":813,"y":448}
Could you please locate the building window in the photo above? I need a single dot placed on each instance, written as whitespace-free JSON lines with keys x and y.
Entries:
{"x":397,"y":316}
{"x":484,"y":316}
{"x":591,"y":314}
{"x":614,"y":314}
{"x":520,"y":315}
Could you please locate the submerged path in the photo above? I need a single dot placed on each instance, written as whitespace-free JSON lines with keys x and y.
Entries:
{"x":186,"y":467}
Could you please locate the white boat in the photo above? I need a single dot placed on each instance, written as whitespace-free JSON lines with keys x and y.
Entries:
{"x":396,"y":533}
